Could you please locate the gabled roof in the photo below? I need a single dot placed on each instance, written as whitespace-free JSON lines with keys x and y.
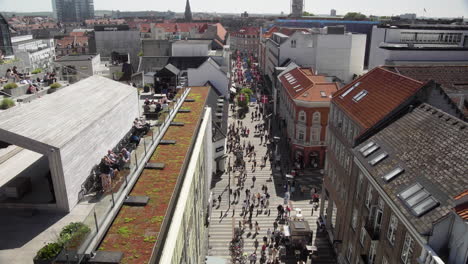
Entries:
{"x":155,"y":63}
{"x":179,"y":27}
{"x":379,"y":92}
{"x":303,"y":85}
{"x":431,"y":147}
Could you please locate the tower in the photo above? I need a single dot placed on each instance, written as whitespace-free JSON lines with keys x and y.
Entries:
{"x":188,"y":12}
{"x":297,"y":8}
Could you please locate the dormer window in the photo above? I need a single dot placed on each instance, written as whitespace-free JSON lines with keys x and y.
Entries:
{"x":293,"y":43}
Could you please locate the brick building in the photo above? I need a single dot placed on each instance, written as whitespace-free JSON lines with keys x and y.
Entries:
{"x":395,"y":164}
{"x":304,"y":100}
{"x":246,"y":40}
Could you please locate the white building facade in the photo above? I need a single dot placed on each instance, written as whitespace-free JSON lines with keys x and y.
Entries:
{"x":340,"y":55}
{"x":34,"y":53}
{"x":211,"y":72}
{"x":411,"y":45}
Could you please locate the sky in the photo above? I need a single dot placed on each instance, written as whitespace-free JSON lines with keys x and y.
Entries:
{"x":434,"y":8}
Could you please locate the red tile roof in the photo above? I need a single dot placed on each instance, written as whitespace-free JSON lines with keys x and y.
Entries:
{"x":462,"y":208}
{"x":247,"y":31}
{"x":301,"y":84}
{"x":179,"y":27}
{"x":221,"y":31}
{"x":386,"y":90}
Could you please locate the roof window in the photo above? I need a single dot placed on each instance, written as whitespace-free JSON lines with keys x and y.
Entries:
{"x":350,"y":89}
{"x":392,"y":174}
{"x":323,"y":94}
{"x":368,"y":145}
{"x":360,"y":95}
{"x":378,"y":158}
{"x":370,"y":150}
{"x":418,"y":200}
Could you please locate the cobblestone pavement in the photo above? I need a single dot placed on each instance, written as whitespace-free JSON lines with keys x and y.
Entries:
{"x":227,"y":216}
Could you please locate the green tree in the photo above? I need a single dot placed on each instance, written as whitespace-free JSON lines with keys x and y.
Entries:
{"x":354,"y":16}
{"x":307,"y":14}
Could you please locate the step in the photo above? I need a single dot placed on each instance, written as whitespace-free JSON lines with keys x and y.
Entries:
{"x":167,"y":142}
{"x":177,"y":124}
{"x":106,"y":257}
{"x":155,"y":165}
{"x":136,"y":200}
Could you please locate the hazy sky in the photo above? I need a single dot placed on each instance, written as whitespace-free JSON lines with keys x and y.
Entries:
{"x":434,"y":8}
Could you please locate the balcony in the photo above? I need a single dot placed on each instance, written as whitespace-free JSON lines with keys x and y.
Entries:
{"x":373,"y":232}
{"x":429,"y":256}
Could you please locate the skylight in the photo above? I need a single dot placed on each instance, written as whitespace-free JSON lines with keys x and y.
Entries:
{"x":418,"y":200}
{"x":350,"y":89}
{"x":323,"y":94}
{"x":379,"y":158}
{"x":392,"y":174}
{"x":370,"y":150}
{"x":297,"y":86}
{"x":360,"y":95}
{"x":368,"y":145}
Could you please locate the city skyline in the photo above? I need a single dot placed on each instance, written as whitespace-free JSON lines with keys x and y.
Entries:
{"x":430,"y":8}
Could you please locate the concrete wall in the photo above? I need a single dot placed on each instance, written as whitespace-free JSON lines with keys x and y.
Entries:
{"x":80,"y":155}
{"x":376,"y":54}
{"x":340,"y":55}
{"x":303,"y":54}
{"x":85,"y":68}
{"x":119,"y":41}
{"x":153,"y":47}
{"x":209,"y":71}
{"x":189,"y":49}
{"x":188,"y":236}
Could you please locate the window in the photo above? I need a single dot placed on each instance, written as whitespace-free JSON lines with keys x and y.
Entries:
{"x":302,"y":116}
{"x":301,"y":135}
{"x":392,"y":174}
{"x":349,"y":253}
{"x":362,"y":236}
{"x":392,"y":228}
{"x":369,"y":196}
{"x":372,"y":252}
{"x":316,"y":118}
{"x":407,"y":251}
{"x":359,"y":96}
{"x":384,"y":260}
{"x":354,"y":219}
{"x":315,"y":134}
{"x":377,"y":159}
{"x":293,"y":43}
{"x":359,"y":183}
{"x":418,"y":200}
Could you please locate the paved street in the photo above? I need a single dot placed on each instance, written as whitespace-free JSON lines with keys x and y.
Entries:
{"x":221,"y":229}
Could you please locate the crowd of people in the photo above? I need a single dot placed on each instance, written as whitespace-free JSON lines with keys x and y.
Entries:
{"x":155,"y":106}
{"x":114,"y":162}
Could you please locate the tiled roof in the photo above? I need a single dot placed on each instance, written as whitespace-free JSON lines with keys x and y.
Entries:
{"x":247,"y":31}
{"x":461,"y":208}
{"x":386,"y":90}
{"x":145,"y":28}
{"x":179,"y":27}
{"x":454,"y":79}
{"x":431,"y":146}
{"x":221,"y":31}
{"x":303,"y":85}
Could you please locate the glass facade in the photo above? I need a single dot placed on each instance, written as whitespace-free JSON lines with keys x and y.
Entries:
{"x":5,"y":39}
{"x":73,"y":10}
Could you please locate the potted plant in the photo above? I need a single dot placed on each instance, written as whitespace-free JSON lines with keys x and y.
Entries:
{"x":7,"y":103}
{"x":36,"y":71}
{"x":48,"y":253}
{"x":54,"y":87}
{"x":9,"y":86}
{"x":73,"y":234}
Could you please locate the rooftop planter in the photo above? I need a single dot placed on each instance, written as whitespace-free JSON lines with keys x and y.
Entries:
{"x":14,"y":90}
{"x":70,"y":237}
{"x":137,"y":230}
{"x":6,"y":103}
{"x":54,"y":87}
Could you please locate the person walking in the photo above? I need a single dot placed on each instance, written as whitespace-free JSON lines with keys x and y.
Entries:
{"x":253,"y":179}
{"x":256,"y":244}
{"x":257,"y":228}
{"x":253,"y":258}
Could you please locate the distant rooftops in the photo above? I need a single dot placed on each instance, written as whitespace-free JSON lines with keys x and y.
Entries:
{"x":421,"y":182}
{"x":373,"y":96}
{"x":426,"y":26}
{"x":80,"y":57}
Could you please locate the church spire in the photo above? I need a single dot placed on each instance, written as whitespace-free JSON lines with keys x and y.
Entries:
{"x":188,"y":12}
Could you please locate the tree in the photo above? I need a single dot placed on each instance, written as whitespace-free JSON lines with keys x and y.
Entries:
{"x":354,"y":16}
{"x":307,"y":14}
